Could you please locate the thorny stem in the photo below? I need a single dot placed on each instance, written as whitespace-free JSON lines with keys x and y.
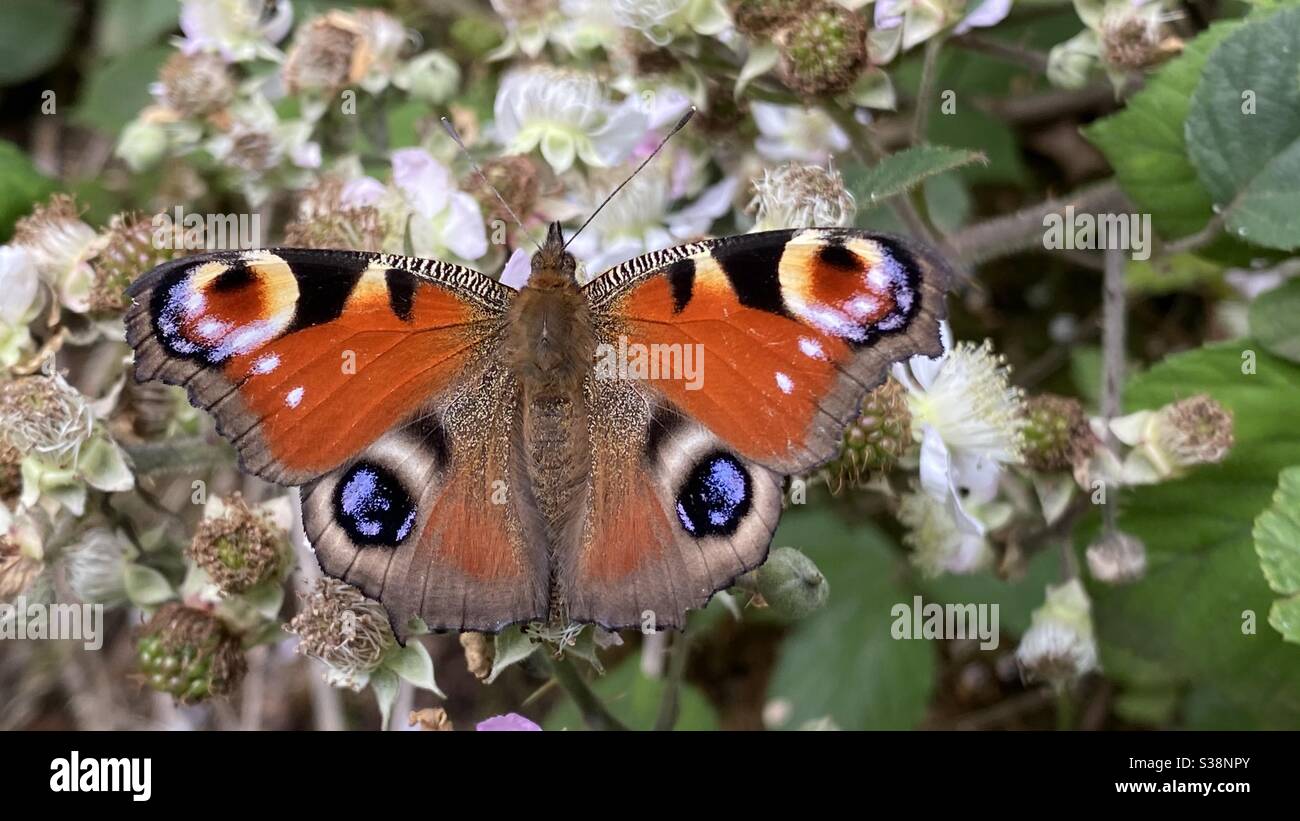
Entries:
{"x":1197,"y":241}
{"x":670,"y":703}
{"x":594,"y":712}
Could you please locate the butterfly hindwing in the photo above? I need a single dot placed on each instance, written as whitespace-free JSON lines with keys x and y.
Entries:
{"x":305,"y":357}
{"x":792,"y":328}
{"x":432,"y":519}
{"x":674,"y":514}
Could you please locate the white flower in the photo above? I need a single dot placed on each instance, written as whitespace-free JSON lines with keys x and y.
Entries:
{"x":640,"y":218}
{"x":259,"y":142}
{"x":986,"y":13}
{"x":1059,"y":645}
{"x":19,"y":283}
{"x":939,"y":543}
{"x":796,"y":133}
{"x":518,"y":269}
{"x":568,"y":115}
{"x":235,"y":29}
{"x":60,"y":245}
{"x":662,"y":21}
{"x":801,"y":196}
{"x":966,"y":415}
{"x":902,"y":24}
{"x":442,"y":218}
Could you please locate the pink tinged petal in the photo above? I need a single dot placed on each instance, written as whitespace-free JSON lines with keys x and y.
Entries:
{"x":307,"y":155}
{"x":510,"y":722}
{"x":712,"y":203}
{"x":19,"y":283}
{"x":463,"y":231}
{"x":278,"y":26}
{"x":517,"y":270}
{"x":615,"y":139}
{"x":362,"y":192}
{"x":424,"y":180}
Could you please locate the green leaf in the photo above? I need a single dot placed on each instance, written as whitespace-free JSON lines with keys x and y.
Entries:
{"x":33,"y":36}
{"x":900,"y":172}
{"x":125,"y":25}
{"x":146,"y":587}
{"x":1146,"y":146}
{"x":413,"y":664}
{"x":1178,"y":272}
{"x":1277,"y":541}
{"x":510,"y":646}
{"x":1275,"y":320}
{"x":385,"y":685}
{"x":634,"y":700}
{"x":21,"y":186}
{"x":1189,"y":613}
{"x":1249,"y":160}
{"x":117,"y":90}
{"x":843,"y":663}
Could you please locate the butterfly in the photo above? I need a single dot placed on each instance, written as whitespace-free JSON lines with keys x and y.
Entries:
{"x":466,"y":456}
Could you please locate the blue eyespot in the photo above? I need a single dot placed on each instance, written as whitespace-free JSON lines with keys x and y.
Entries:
{"x":715,"y":496}
{"x":372,"y":506}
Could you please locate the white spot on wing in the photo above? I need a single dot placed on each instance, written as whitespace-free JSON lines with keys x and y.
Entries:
{"x":294,"y":397}
{"x":267,"y":363}
{"x":811,"y":348}
{"x":785,"y":383}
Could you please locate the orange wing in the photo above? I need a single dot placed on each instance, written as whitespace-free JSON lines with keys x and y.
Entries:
{"x":305,"y":357}
{"x":787,"y":329}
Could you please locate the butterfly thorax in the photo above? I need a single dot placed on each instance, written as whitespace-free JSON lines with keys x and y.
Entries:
{"x":551,"y":346}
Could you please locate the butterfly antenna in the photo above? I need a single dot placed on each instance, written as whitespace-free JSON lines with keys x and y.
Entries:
{"x":686,"y":118}
{"x":451,"y":130}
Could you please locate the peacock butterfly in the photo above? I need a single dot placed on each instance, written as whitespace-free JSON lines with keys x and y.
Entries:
{"x":474,"y":467}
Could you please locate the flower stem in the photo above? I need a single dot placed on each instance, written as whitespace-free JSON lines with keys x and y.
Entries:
{"x":925,"y":92}
{"x":594,"y":712}
{"x":670,"y":702}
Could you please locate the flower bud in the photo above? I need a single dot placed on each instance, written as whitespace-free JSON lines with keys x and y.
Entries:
{"x":95,"y":567}
{"x":1059,"y":646}
{"x":142,"y":144}
{"x":876,"y":438}
{"x":1117,"y":558}
{"x":189,"y":654}
{"x":431,"y":76}
{"x":791,"y":584}
{"x":822,"y":51}
{"x":350,"y":633}
{"x":1056,"y":433}
{"x":239,"y":549}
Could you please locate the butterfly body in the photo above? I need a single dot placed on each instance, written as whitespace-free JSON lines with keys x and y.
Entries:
{"x":479,"y":456}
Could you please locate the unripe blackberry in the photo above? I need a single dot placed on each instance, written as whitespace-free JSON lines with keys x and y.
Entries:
{"x":128,"y":252}
{"x":822,"y":51}
{"x":189,"y":654}
{"x":876,"y":439}
{"x":239,"y":549}
{"x":1056,"y":433}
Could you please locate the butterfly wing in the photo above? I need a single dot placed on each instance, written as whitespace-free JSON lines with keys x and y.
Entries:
{"x":305,"y":357}
{"x":794,"y":327}
{"x":788,"y":331}
{"x":370,"y":380}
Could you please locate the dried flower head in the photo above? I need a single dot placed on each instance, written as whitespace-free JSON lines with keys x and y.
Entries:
{"x":1117,"y":558}
{"x":60,"y":244}
{"x":329,"y":52}
{"x":328,"y":219}
{"x":239,"y":549}
{"x":762,"y":17}
{"x":11,"y":472}
{"x":1196,"y":431}
{"x":128,"y":251}
{"x":45,"y":415}
{"x":194,"y":85}
{"x":430,"y":718}
{"x":21,"y":558}
{"x":350,"y":633}
{"x":1137,"y":38}
{"x":795,"y":195}
{"x":479,"y":653}
{"x":189,"y":654}
{"x":516,"y":177}
{"x":1056,"y":433}
{"x":822,"y":51}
